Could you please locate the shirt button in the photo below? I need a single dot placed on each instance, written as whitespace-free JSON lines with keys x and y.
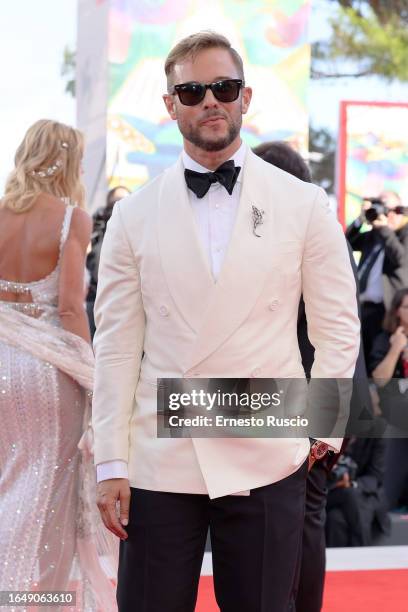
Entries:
{"x":164,"y":311}
{"x":256,"y":372}
{"x":217,"y":205}
{"x":273,"y":305}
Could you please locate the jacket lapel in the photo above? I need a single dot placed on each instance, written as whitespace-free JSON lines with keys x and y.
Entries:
{"x":183,"y":260}
{"x":246,"y":266}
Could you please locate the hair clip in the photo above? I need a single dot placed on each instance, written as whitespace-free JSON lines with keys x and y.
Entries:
{"x":50,"y":171}
{"x":64,"y":145}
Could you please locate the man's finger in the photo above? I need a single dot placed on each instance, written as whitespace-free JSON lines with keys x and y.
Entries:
{"x":124,"y":508}
{"x":115,"y":523}
{"x":111,"y":521}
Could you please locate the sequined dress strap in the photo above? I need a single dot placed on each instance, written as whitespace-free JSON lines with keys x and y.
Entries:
{"x":65,"y":227}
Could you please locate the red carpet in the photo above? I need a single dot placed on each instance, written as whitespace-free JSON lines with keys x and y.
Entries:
{"x":357,"y":591}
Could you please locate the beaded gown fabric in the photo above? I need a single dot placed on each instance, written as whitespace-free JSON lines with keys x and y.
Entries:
{"x":51,"y":535}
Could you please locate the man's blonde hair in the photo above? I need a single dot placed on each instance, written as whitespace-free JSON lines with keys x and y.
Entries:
{"x":190,"y":46}
{"x":47,"y":161}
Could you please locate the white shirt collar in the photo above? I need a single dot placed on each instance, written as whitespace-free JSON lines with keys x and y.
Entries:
{"x":238,"y":157}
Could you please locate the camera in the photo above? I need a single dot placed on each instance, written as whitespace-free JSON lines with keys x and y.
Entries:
{"x":345,"y":465}
{"x":379,"y":207}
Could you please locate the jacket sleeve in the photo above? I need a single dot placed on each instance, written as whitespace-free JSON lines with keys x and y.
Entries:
{"x":396,"y":247}
{"x":355,"y":237}
{"x":118,"y":343}
{"x":329,"y":293}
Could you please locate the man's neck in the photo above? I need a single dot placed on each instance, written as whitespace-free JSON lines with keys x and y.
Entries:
{"x":211,"y":159}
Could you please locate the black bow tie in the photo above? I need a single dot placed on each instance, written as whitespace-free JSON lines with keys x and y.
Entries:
{"x":200,"y":182}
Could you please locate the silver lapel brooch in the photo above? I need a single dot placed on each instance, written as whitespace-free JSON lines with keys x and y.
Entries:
{"x":257,"y":219}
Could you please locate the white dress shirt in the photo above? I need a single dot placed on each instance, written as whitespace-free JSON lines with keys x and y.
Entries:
{"x":215,"y":215}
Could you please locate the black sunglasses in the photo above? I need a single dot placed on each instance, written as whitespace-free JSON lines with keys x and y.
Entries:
{"x":226,"y":90}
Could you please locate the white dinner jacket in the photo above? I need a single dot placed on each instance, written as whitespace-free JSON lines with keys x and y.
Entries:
{"x":156,"y":295}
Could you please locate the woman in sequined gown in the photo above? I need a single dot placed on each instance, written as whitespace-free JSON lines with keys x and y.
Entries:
{"x":47,"y":533}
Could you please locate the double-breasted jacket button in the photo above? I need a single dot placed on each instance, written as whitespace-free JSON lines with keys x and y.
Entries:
{"x":164,"y":311}
{"x":273,"y":304}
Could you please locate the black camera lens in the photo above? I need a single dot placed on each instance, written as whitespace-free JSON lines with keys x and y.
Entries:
{"x":377,"y":209}
{"x":371,"y":215}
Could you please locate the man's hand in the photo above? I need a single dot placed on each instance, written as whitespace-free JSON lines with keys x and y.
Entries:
{"x":109,"y":492}
{"x":381,"y":221}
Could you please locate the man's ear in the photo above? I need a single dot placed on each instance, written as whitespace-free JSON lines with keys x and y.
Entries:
{"x":170,"y":105}
{"x":246,"y":99}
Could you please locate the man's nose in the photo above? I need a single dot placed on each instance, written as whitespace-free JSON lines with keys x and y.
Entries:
{"x":210,"y":101}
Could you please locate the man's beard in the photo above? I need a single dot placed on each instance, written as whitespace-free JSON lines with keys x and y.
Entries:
{"x":217,"y":144}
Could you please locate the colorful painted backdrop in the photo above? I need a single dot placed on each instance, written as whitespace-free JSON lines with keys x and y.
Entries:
{"x":270,"y":35}
{"x":373,"y":153}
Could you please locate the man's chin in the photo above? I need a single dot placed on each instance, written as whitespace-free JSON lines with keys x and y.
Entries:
{"x":211,"y":142}
{"x":215,"y":144}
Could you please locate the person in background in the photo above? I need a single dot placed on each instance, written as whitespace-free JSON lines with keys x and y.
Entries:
{"x":283,"y":156}
{"x":356,"y":505}
{"x":389,"y":367}
{"x":46,"y":366}
{"x":312,"y":562}
{"x":383,"y":267}
{"x":100,"y":220}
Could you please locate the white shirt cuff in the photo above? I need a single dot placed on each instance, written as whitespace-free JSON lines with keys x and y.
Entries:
{"x":117,"y":468}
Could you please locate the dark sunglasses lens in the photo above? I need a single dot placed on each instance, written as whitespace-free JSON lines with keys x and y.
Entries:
{"x":226,"y":91}
{"x":191,"y":93}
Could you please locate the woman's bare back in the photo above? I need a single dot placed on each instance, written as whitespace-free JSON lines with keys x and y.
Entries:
{"x":29,"y":243}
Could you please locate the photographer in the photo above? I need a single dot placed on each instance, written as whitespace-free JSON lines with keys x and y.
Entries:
{"x":356,"y":506}
{"x":383,"y":267}
{"x":100,"y":220}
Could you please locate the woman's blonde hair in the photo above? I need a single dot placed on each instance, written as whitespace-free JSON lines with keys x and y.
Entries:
{"x":47,"y":161}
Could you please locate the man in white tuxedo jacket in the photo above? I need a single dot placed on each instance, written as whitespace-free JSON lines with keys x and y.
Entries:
{"x":190,"y":286}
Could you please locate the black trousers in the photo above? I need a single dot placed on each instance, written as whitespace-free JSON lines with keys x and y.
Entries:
{"x":255,"y":544}
{"x":309,"y":595}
